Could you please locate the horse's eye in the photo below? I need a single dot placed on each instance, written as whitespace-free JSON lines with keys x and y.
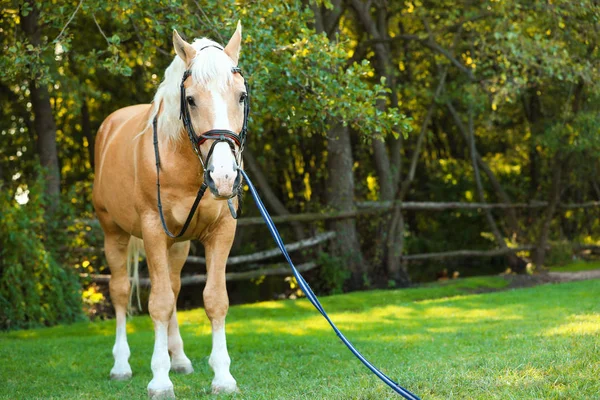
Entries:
{"x":243,"y":97}
{"x":191,"y":101}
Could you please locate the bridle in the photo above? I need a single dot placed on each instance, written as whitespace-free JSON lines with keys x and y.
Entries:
{"x":218,"y":135}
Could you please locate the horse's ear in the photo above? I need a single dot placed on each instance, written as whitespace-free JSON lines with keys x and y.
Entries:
{"x":183,"y":49}
{"x":233,"y":47}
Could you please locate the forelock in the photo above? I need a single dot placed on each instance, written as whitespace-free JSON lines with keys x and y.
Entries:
{"x":211,"y":65}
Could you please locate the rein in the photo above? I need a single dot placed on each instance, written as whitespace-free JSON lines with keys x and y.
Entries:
{"x":218,"y":135}
{"x":315,"y":301}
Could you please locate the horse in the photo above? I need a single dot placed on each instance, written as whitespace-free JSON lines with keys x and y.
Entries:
{"x":134,"y":147}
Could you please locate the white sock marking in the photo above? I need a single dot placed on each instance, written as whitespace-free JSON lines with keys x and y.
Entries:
{"x":121,"y":350}
{"x":178,"y":357}
{"x":161,"y":364}
{"x":219,"y":361}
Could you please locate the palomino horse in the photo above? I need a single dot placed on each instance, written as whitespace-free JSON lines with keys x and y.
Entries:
{"x":205,"y":78}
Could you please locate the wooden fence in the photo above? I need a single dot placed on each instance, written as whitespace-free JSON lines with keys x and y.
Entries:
{"x":362,"y":208}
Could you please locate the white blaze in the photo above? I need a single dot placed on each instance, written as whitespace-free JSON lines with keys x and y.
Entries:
{"x":221,"y":120}
{"x":222,"y":159}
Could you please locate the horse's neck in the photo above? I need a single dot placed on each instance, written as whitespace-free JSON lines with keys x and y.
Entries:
{"x":180,"y":164}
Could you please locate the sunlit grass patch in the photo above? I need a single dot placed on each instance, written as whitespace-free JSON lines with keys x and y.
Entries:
{"x":579,"y":325}
{"x":439,"y":341}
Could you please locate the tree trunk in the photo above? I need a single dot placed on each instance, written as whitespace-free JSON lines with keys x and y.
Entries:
{"x":511,"y":214}
{"x":515,"y":262}
{"x":340,"y":197}
{"x":44,"y":120}
{"x":340,"y":177}
{"x":554,"y":197}
{"x":388,"y":167}
{"x":384,"y":173}
{"x":533,"y":114}
{"x":395,"y":242}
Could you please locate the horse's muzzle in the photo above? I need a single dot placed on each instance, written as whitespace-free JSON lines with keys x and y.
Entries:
{"x":222,"y":186}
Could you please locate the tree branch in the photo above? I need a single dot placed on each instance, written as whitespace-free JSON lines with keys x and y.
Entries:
{"x":502,"y":195}
{"x":69,"y":21}
{"x":100,"y":29}
{"x":431,"y":44}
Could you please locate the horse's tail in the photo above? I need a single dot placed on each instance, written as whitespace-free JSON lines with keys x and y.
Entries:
{"x":135,"y":247}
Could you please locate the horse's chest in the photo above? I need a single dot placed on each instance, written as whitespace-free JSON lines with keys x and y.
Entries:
{"x":208,"y":214}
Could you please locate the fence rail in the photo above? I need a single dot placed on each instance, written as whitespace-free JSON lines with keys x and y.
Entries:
{"x":362,"y":208}
{"x":379,"y":207}
{"x":274,"y":269}
{"x":266,"y":254}
{"x":467,"y":253}
{"x":277,"y":269}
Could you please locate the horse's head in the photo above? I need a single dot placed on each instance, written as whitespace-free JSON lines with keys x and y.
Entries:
{"x":213,"y":108}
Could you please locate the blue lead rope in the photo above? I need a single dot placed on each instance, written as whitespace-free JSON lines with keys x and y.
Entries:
{"x":313,"y":299}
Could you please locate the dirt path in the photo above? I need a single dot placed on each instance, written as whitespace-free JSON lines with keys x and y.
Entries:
{"x":518,"y":281}
{"x":575,"y":276}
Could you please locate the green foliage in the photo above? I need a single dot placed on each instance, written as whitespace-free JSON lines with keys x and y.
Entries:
{"x":35,"y":290}
{"x":332,"y":274}
{"x":560,"y":253}
{"x":576,"y":266}
{"x":526,"y":70}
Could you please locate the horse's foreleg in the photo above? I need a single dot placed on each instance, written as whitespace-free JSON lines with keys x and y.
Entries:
{"x":115,"y":248}
{"x":216,"y":304}
{"x":161,"y":305}
{"x":179,"y":361}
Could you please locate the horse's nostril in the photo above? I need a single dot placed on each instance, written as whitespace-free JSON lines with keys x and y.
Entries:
{"x":209,"y":179}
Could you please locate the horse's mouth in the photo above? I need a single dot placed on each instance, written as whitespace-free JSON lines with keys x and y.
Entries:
{"x":218,"y":196}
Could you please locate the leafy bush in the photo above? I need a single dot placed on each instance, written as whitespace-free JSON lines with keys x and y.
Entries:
{"x":332,"y":274}
{"x":34,"y":289}
{"x":560,"y":253}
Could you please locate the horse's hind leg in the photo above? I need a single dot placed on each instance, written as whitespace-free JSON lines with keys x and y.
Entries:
{"x":115,"y":248}
{"x":179,"y":362}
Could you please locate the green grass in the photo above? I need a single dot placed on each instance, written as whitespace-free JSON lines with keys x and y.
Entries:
{"x":576,"y":266}
{"x":439,"y":341}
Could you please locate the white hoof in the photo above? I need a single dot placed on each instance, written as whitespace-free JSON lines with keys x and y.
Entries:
{"x":120,"y":377}
{"x":224,"y":385}
{"x":155,"y":394}
{"x":183,"y":367}
{"x":120,"y":373}
{"x":161,"y":389}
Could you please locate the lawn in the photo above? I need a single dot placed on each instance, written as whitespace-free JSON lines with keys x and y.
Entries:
{"x":576,"y":266}
{"x":440,"y":341}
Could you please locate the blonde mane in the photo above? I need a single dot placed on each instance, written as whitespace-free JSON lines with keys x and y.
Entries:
{"x":211,"y":65}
